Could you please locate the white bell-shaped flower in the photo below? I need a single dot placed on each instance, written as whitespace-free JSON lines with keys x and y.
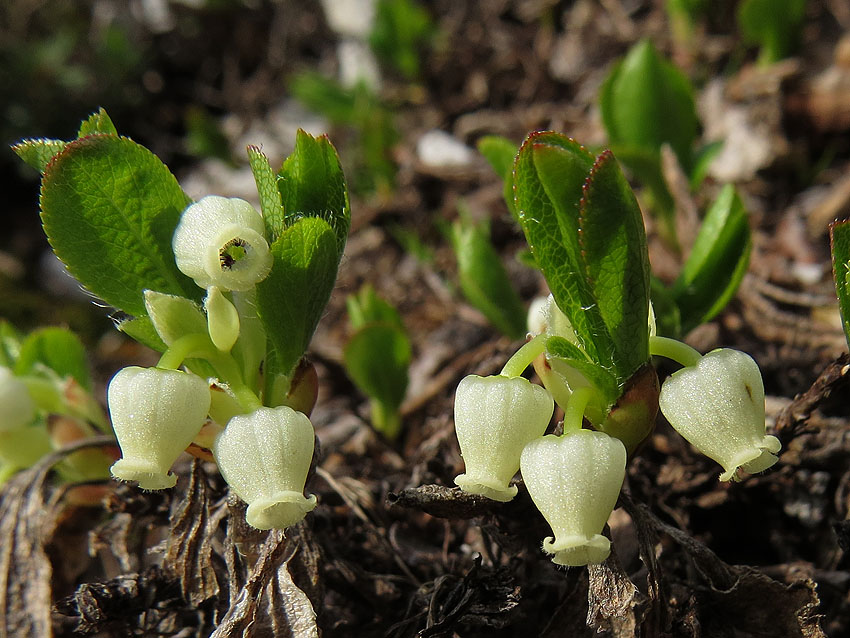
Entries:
{"x":155,"y":414}
{"x":219,"y":242}
{"x":494,"y":419}
{"x":264,"y":456}
{"x":574,"y":480}
{"x":718,"y":406}
{"x":17,"y":408}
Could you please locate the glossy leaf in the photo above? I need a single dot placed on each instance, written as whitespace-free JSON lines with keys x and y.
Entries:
{"x":585,"y":229}
{"x":312,"y":184}
{"x":839,"y":236}
{"x":549,"y":172}
{"x":717,"y":263}
{"x":616,"y":261}
{"x":293,"y":297}
{"x":109,"y":208}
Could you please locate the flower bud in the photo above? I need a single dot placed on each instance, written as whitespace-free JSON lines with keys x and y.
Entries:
{"x":264,"y":457}
{"x":222,"y":319}
{"x":17,"y":408}
{"x":718,"y":406}
{"x":219,"y":242}
{"x":494,"y":418}
{"x":574,"y":480}
{"x":155,"y":414}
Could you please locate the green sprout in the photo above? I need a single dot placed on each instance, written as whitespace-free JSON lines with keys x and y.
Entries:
{"x":483,"y":278}
{"x":775,"y":25}
{"x":377,"y":357}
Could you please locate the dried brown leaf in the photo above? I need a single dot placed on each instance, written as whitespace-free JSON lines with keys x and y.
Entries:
{"x":613,"y":602}
{"x":190,"y":543}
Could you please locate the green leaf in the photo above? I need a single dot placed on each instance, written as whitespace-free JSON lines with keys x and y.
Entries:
{"x":717,"y":263}
{"x":616,"y":261}
{"x":312,"y":185}
{"x":775,"y":25}
{"x":109,"y":208}
{"x":58,"y":349}
{"x":484,"y":280}
{"x":97,"y":123}
{"x":376,"y":358}
{"x":500,"y":153}
{"x":367,"y":307}
{"x":293,"y":297}
{"x":839,"y":239}
{"x":270,"y":204}
{"x":646,"y":101}
{"x":38,"y":153}
{"x":550,"y":171}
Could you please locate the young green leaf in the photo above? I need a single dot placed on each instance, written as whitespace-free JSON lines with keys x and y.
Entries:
{"x":10,"y":344}
{"x":549,"y":172}
{"x":291,"y":299}
{"x":270,"y":204}
{"x":483,"y":278}
{"x":38,"y":153}
{"x":109,"y":208}
{"x":312,"y":184}
{"x":646,"y":102}
{"x":97,"y":123}
{"x":174,"y":317}
{"x":58,"y":349}
{"x":585,"y":229}
{"x":616,"y":261}
{"x":775,"y":25}
{"x":839,"y":238}
{"x":499,"y":153}
{"x":717,"y":263}
{"x":141,"y":329}
{"x":564,"y":357}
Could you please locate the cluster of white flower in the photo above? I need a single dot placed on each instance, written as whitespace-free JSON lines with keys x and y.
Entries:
{"x":263,"y":453}
{"x":574,"y":479}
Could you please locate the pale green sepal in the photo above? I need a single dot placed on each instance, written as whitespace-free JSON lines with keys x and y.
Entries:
{"x":173,"y":316}
{"x":222,"y":319}
{"x":17,"y":408}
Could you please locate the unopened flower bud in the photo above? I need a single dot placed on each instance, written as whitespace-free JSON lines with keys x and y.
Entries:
{"x":494,"y":419}
{"x":219,"y":242}
{"x":155,"y":414}
{"x":718,"y":406}
{"x":222,"y":319}
{"x":574,"y":480}
{"x":17,"y":408}
{"x":264,"y":456}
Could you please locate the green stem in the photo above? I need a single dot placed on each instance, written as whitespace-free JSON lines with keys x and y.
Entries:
{"x":523,"y":357}
{"x":675,"y":350}
{"x":198,"y":345}
{"x":574,"y":410}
